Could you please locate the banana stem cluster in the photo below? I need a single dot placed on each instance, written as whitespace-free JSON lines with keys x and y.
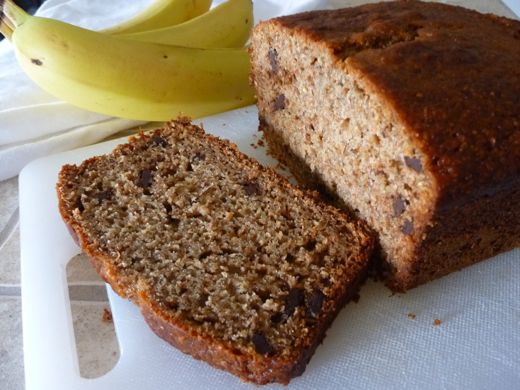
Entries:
{"x":5,"y":29}
{"x":12,"y":15}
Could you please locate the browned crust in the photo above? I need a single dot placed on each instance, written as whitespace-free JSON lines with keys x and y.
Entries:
{"x":448,"y":74}
{"x":255,"y":368}
{"x":479,"y":230}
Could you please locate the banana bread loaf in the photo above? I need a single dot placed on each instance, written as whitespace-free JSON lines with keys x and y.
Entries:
{"x":407,"y":111}
{"x":226,"y":259}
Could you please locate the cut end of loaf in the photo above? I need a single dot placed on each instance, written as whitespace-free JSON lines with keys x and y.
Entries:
{"x":406,"y":112}
{"x":226,"y":259}
{"x":325,"y":121}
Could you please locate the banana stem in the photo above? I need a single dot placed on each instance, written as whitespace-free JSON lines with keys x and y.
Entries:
{"x":11,"y":14}
{"x":5,"y":29}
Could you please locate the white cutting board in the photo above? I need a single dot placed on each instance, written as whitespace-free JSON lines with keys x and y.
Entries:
{"x":372,"y":344}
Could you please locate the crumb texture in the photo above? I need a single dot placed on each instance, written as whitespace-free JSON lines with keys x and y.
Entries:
{"x":407,"y":113}
{"x":220,"y":245}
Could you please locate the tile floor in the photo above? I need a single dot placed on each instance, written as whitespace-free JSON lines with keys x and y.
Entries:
{"x":96,"y":343}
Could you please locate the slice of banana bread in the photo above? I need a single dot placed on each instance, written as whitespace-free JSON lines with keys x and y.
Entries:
{"x":226,"y":259}
{"x":409,"y":112}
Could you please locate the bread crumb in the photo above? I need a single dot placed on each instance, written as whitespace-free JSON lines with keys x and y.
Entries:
{"x":412,"y":316}
{"x":107,"y":315}
{"x":437,"y":322}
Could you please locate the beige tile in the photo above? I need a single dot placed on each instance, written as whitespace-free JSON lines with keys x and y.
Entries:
{"x":8,"y":209}
{"x":96,"y":342}
{"x":8,"y":199}
{"x":87,"y":293}
{"x":84,"y":283}
{"x":80,"y":271}
{"x":10,"y":260}
{"x":11,"y":355}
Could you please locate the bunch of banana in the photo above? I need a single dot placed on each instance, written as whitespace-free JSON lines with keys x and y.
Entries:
{"x":125,"y":72}
{"x":162,"y":13}
{"x":227,"y":25}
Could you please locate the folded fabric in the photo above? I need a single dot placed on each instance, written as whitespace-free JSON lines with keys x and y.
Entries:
{"x":34,"y":124}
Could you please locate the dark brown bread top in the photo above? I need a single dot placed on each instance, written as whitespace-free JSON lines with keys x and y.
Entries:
{"x":451,"y":75}
{"x":227,"y":260}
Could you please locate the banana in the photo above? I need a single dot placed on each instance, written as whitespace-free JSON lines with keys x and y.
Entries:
{"x":129,"y":79}
{"x":227,"y":25}
{"x":161,"y":13}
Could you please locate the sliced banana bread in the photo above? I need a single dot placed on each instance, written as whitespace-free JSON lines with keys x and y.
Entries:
{"x":409,"y":113}
{"x":227,"y":260}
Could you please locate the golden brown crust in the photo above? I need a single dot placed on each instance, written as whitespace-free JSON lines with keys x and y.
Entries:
{"x":446,"y":71}
{"x":479,"y":230}
{"x":256,"y":368}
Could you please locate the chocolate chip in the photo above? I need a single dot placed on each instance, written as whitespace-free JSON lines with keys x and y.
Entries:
{"x":295,"y":298}
{"x":205,"y":254}
{"x":174,"y":221}
{"x":289,"y":258}
{"x":414,"y":163}
{"x":264,"y":295}
{"x":399,"y":206}
{"x":80,"y":206}
{"x":315,"y":302}
{"x":273,"y":59}
{"x":172,"y":305}
{"x":310,"y":245}
{"x":262,"y":345}
{"x":103,"y":195}
{"x":145,"y":178}
{"x":251,"y":188}
{"x":407,"y":227}
{"x":157,"y":140}
{"x":279,"y":102}
{"x":277,"y":318}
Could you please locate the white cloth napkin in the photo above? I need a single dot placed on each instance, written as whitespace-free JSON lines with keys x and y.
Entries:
{"x":34,"y":124}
